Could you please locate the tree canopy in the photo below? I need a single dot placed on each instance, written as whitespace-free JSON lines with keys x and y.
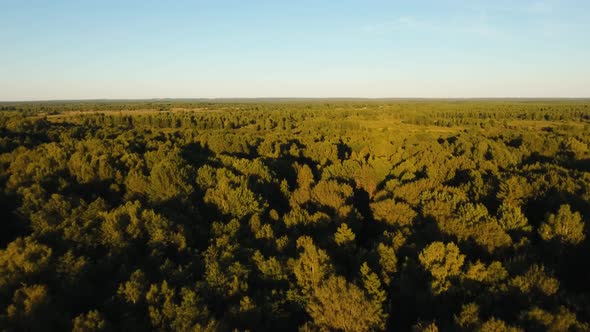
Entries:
{"x":359,"y":215}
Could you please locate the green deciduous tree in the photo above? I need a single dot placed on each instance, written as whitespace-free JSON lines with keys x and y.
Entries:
{"x":511,"y":218}
{"x":31,"y":309}
{"x":23,"y":259}
{"x":443,"y":262}
{"x":312,"y":266}
{"x":377,"y":294}
{"x":344,"y":235}
{"x":339,"y":305}
{"x":565,"y":226}
{"x":92,"y":321}
{"x":170,"y":310}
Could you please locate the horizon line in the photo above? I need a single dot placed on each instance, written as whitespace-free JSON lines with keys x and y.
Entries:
{"x":221,"y":99}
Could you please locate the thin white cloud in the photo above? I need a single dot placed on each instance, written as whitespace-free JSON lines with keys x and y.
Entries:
{"x":517,"y":7}
{"x":480,"y":18}
{"x":541,"y":7}
{"x":399,"y":24}
{"x":479,"y":26}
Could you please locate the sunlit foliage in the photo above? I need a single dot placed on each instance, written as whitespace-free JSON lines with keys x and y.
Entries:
{"x":301,"y":215}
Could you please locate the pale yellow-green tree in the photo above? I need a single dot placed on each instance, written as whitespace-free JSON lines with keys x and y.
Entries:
{"x":511,"y":218}
{"x":387,"y":261}
{"x":377,"y":294}
{"x":31,"y":308}
{"x":443,"y":262}
{"x":468,"y":317}
{"x":338,"y":305}
{"x":170,"y":310}
{"x":312,"y":266}
{"x":92,"y":321}
{"x":565,"y":226}
{"x":133,"y":290}
{"x":22,"y":259}
{"x":561,"y":320}
{"x":497,"y":325}
{"x":536,"y":278}
{"x":392,"y":213}
{"x":344,"y":235}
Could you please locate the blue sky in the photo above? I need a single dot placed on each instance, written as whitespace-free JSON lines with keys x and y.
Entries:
{"x":149,"y":49}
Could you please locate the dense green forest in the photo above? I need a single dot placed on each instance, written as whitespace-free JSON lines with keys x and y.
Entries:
{"x":295,"y":215}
